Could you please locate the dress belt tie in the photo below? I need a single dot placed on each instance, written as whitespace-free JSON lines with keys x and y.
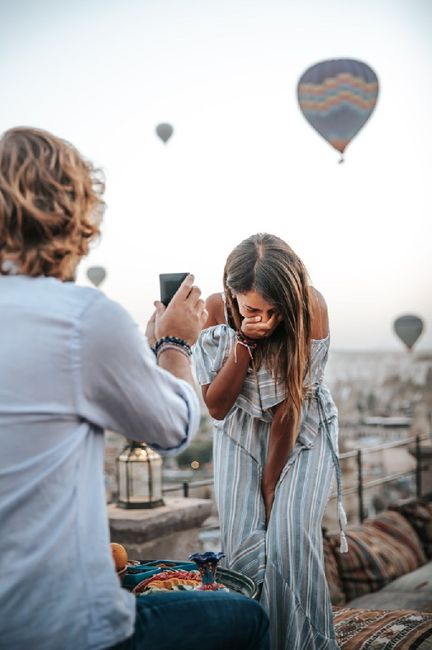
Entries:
{"x":341,"y":512}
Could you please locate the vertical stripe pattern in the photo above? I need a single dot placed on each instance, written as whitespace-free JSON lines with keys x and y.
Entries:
{"x":286,"y":559}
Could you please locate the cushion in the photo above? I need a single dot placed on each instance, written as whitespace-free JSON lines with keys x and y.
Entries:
{"x":334,"y":582}
{"x":363,"y":629}
{"x":393,"y":600}
{"x":419,"y":514}
{"x":411,"y":591}
{"x":396,"y":525}
{"x":375,"y":557}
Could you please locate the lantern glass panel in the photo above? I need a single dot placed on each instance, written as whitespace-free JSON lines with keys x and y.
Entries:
{"x":140,"y":477}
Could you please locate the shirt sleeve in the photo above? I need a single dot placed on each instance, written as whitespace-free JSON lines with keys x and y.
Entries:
{"x":123,"y":389}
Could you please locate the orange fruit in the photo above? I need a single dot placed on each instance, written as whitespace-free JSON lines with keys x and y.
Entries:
{"x":120,"y":556}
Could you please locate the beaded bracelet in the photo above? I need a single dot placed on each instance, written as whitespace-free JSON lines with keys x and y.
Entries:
{"x":249,"y":344}
{"x":172,"y":346}
{"x":174,"y":341}
{"x":241,"y":338}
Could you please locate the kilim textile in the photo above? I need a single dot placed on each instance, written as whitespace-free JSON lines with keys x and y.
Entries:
{"x":362,"y":629}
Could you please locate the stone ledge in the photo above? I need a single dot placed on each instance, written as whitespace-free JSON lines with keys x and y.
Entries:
{"x":168,"y":532}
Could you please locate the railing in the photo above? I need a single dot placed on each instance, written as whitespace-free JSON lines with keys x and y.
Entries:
{"x":361,"y":485}
{"x":186,"y":485}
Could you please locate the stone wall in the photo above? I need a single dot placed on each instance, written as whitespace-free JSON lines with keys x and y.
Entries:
{"x":168,"y":532}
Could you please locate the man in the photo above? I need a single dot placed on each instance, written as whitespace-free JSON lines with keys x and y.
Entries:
{"x":73,"y":363}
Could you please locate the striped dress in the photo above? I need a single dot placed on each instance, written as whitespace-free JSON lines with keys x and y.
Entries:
{"x":286,"y":558}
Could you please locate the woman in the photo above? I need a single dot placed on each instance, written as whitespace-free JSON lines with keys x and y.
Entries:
{"x":73,"y":362}
{"x":260,"y":361}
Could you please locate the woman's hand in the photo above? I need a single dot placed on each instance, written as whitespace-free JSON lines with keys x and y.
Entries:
{"x":254,"y":328}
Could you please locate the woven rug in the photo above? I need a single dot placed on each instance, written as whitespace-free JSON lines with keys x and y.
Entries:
{"x":362,"y":629}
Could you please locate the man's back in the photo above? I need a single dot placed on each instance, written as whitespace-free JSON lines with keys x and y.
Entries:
{"x":56,"y":567}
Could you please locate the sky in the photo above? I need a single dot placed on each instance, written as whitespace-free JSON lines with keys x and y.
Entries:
{"x":242,"y":159}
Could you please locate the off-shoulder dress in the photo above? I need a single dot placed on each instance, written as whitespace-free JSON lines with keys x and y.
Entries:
{"x":286,"y":557}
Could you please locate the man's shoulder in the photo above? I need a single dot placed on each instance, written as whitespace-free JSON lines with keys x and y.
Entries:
{"x":75,"y":297}
{"x":80,"y":303}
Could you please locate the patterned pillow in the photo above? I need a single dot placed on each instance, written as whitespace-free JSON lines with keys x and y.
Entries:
{"x":334,"y":582}
{"x":419,"y":513}
{"x":396,"y":525}
{"x":375,"y":557}
{"x":364,"y":629}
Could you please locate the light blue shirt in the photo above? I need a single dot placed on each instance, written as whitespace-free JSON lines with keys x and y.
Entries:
{"x":72,"y":363}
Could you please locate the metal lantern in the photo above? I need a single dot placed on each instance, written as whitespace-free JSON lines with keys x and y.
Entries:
{"x":139,"y":477}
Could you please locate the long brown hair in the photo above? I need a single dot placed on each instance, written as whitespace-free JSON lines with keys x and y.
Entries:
{"x":50,"y":203}
{"x":266,"y":264}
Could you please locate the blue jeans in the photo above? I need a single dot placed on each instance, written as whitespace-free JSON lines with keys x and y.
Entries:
{"x":191,"y":620}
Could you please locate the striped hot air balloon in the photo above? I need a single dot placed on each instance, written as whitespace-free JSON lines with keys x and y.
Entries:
{"x":337,"y":97}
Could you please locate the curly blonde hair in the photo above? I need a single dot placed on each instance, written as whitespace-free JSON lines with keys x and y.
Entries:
{"x":51,"y":203}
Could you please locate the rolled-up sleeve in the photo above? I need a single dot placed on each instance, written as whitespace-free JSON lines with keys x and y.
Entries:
{"x":120,"y":387}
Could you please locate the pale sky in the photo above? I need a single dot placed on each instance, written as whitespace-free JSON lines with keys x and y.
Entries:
{"x":242,"y":159}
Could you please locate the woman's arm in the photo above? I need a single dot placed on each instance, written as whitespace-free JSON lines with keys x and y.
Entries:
{"x":215,"y":310}
{"x":220,"y":395}
{"x":282,"y":439}
{"x":319,"y":314}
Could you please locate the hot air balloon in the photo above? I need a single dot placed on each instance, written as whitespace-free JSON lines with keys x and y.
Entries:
{"x":408,"y":328}
{"x":96,"y":275}
{"x":337,"y":97}
{"x":164,"y":131}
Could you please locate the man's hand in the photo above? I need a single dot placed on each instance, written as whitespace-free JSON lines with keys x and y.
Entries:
{"x":150,"y":330}
{"x":185,"y":315}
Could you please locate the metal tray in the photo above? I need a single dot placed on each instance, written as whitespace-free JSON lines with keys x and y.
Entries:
{"x":237,"y":582}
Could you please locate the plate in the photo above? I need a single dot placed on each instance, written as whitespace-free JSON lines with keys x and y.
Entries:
{"x":130,"y":563}
{"x":233,"y":580}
